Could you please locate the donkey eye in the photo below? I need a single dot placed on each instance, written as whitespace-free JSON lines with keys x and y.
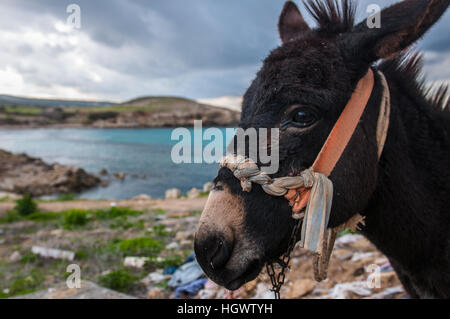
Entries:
{"x":301,"y":118}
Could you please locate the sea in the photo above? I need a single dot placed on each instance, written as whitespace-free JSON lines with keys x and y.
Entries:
{"x":144,"y":155}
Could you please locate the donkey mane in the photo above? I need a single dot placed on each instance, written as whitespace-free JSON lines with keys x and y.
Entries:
{"x":333,"y":18}
{"x":407,"y":69}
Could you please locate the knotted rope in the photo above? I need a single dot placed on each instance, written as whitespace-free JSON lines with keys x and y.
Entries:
{"x":248,"y":172}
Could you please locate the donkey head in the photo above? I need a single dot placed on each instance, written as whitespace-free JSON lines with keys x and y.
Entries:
{"x":302,"y":89}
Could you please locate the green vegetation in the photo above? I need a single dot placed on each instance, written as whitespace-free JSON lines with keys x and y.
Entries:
{"x":11,"y":217}
{"x":164,"y":285}
{"x":175,"y":260}
{"x":66,"y":197}
{"x":26,"y":205}
{"x":29,"y":258}
{"x":121,"y":280}
{"x":115,"y":212}
{"x":160,"y":231}
{"x":123,"y":223}
{"x":141,"y":246}
{"x":21,"y":110}
{"x":75,"y":218}
{"x":26,"y":285}
{"x":345,"y":232}
{"x":4,"y":199}
{"x":44,"y":216}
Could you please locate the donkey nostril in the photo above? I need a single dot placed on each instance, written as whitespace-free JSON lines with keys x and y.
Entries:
{"x":219,"y":255}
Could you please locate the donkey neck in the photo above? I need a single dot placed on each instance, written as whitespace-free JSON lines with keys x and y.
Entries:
{"x":407,"y":216}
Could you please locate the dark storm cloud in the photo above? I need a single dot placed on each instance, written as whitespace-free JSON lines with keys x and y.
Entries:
{"x":196,"y":48}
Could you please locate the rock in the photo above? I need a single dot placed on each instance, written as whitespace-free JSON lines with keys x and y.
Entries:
{"x":185,"y":244}
{"x":22,"y":174}
{"x":387,"y":278}
{"x":154,"y":278}
{"x":53,"y":253}
{"x":184,"y":235}
{"x":173,"y":193}
{"x":389,"y":293}
{"x":300,"y":288}
{"x":362,"y":256}
{"x":120,"y":176}
{"x":347,"y":289}
{"x":178,"y":215}
{"x":105,"y":272}
{"x":359,"y":272}
{"x":263,"y":291}
{"x":104,"y":172}
{"x":343,"y":254}
{"x":142,"y":197}
{"x":347,"y":239}
{"x":193,"y":193}
{"x":57,"y":232}
{"x":156,"y":293}
{"x":15,"y":257}
{"x":135,"y":262}
{"x":173,"y":245}
{"x":88,"y":290}
{"x":208,"y":187}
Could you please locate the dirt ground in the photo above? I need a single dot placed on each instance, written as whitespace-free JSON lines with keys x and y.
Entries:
{"x":169,"y":223}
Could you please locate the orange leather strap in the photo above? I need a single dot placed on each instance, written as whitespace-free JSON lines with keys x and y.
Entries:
{"x":338,"y":139}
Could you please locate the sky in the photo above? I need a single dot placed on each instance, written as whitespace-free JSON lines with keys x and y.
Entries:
{"x":207,"y":50}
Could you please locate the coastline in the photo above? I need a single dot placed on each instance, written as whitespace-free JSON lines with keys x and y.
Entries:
{"x":23,"y":174}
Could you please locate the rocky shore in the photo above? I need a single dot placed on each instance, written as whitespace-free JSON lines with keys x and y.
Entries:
{"x":21,"y":174}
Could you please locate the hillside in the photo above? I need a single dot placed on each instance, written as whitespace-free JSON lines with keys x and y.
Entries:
{"x":141,"y":112}
{"x":9,"y":100}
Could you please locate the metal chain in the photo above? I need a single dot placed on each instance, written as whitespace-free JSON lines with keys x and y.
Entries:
{"x":278,"y":280}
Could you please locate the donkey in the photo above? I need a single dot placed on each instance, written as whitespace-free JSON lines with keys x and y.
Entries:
{"x":302,"y":89}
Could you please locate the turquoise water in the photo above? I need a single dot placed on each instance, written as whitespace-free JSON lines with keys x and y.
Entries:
{"x":131,"y":151}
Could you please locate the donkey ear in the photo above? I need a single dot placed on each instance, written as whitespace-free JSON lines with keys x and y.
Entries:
{"x":291,"y":22}
{"x":401,"y":25}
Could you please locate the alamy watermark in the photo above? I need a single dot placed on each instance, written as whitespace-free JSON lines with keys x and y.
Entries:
{"x":374,"y":279}
{"x":207,"y":146}
{"x":374,"y":20}
{"x":74,"y":18}
{"x":73,"y":281}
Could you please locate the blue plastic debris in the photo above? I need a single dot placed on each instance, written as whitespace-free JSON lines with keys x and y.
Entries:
{"x":190,"y":258}
{"x":186,"y":274}
{"x":192,"y":288}
{"x":170,"y":270}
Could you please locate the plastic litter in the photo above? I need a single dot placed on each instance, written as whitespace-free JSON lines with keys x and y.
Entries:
{"x":192,"y":288}
{"x":344,"y":290}
{"x":186,"y":274}
{"x":53,"y":253}
{"x":386,"y":267}
{"x":190,"y":258}
{"x":170,"y":270}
